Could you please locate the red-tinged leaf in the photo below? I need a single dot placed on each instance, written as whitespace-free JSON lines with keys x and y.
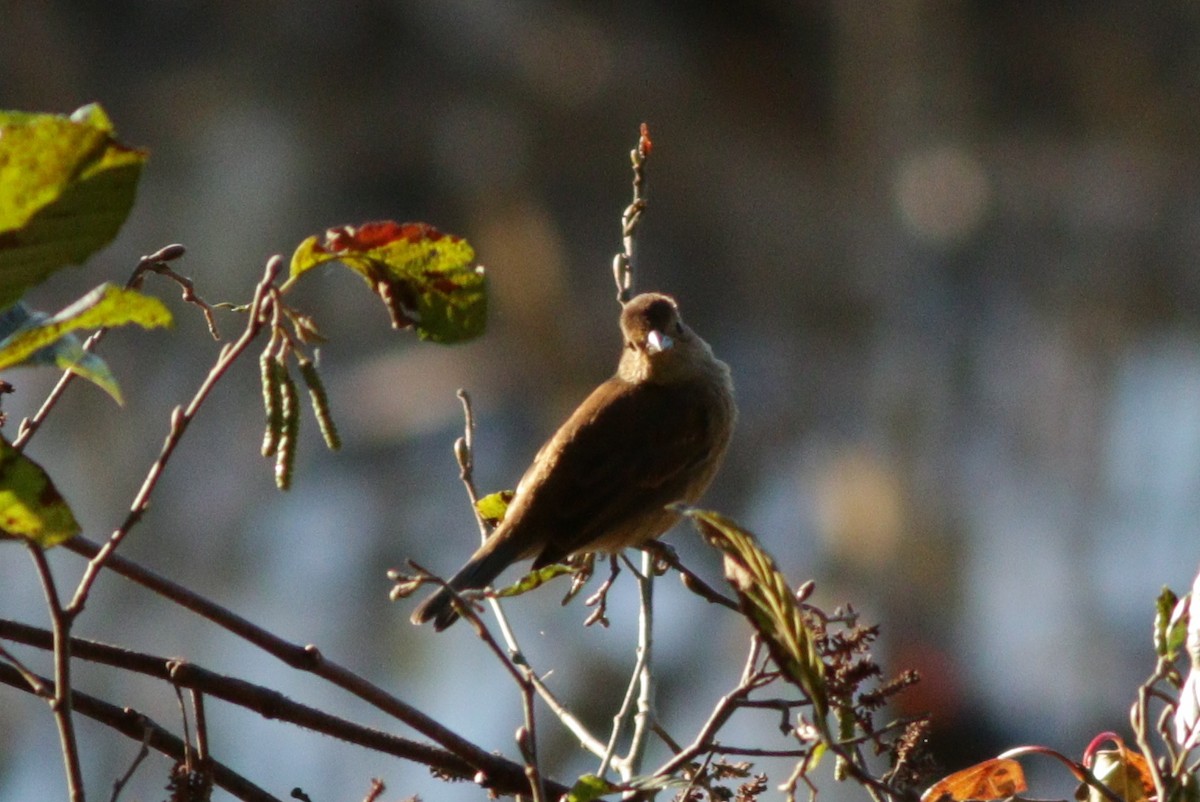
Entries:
{"x":998,"y":778}
{"x":426,"y":278}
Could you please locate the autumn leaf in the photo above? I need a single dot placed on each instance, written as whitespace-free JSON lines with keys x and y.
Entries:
{"x":998,"y":778}
{"x":425,"y":278}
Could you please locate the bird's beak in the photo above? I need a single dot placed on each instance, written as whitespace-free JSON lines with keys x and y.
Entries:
{"x":657,"y":342}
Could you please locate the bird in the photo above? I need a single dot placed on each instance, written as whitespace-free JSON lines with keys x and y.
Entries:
{"x":653,"y":434}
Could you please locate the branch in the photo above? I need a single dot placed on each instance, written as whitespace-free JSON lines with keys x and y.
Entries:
{"x":30,"y":425}
{"x":60,"y":701}
{"x":140,"y":728}
{"x":726,"y":706}
{"x":120,"y":783}
{"x":688,"y":577}
{"x":636,"y":682}
{"x":266,"y":702}
{"x":623,"y":261}
{"x":503,"y":775}
{"x":180,"y":419}
{"x":643,"y":719}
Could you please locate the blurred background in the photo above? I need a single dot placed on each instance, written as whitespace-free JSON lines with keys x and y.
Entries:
{"x":947,"y":249}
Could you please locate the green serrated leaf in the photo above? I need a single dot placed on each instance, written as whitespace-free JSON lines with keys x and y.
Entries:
{"x":66,"y":187}
{"x":30,"y":506}
{"x":426,"y":279}
{"x":769,"y":603}
{"x":107,"y":305}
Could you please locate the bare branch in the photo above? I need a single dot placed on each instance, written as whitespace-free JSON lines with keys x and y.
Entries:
{"x":30,"y":425}
{"x":139,"y":727}
{"x":503,"y":775}
{"x":180,"y":419}
{"x":142,"y":753}
{"x":60,"y":702}
{"x":623,"y":261}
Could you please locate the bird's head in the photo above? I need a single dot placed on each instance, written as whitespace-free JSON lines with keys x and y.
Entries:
{"x":658,"y":344}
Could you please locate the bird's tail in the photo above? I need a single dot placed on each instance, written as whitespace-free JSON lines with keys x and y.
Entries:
{"x":485,"y":565}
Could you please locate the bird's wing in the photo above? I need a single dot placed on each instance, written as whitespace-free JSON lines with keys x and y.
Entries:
{"x":627,"y":451}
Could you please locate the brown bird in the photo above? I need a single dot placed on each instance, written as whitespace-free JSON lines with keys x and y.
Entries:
{"x":653,"y":434}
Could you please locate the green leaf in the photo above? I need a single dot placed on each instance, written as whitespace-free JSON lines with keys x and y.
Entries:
{"x":425,"y":278}
{"x":589,"y":787}
{"x":30,"y":506}
{"x":1170,"y":625}
{"x":493,"y":506}
{"x":68,"y":354}
{"x":66,"y":187}
{"x":535,"y":579}
{"x":33,"y":338}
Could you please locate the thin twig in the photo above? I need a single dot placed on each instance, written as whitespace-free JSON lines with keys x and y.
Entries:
{"x":266,"y":702}
{"x":1138,"y":720}
{"x":142,"y":753}
{"x":201,"y":725}
{"x":503,"y":775}
{"x":568,"y":719}
{"x":623,"y":261}
{"x":60,"y":704}
{"x":522,"y":675}
{"x":35,"y":682}
{"x":180,"y":419}
{"x":599,"y":599}
{"x":644,"y":716}
{"x":631,"y":697}
{"x":464,"y":453}
{"x":375,"y":791}
{"x":725,"y":707}
{"x":189,"y":291}
{"x":187,"y":730}
{"x":688,"y":577}
{"x":135,"y":725}
{"x":30,"y":425}
{"x":641,"y":681}
{"x":526,"y":679}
